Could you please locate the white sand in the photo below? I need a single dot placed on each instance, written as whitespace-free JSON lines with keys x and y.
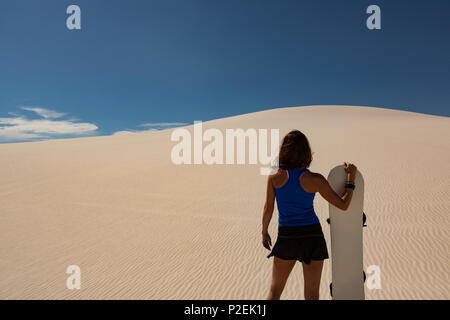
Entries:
{"x":141,"y":227}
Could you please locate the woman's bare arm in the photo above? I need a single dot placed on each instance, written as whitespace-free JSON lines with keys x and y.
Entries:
{"x":325,"y":190}
{"x":323,"y":187}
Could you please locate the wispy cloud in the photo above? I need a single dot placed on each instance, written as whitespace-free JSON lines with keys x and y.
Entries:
{"x":152,"y":126}
{"x":45,"y":113}
{"x":123,"y":132}
{"x":20,"y":128}
{"x":162,"y":124}
{"x":126,"y":132}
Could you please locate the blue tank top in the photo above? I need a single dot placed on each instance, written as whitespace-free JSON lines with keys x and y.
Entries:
{"x":295,"y":205}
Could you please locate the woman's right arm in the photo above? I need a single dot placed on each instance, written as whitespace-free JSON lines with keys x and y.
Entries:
{"x":325,"y":190}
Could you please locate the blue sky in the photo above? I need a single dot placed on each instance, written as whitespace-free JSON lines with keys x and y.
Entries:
{"x":143,"y":64}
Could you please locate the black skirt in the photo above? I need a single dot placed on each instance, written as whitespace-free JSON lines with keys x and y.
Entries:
{"x":302,"y":243}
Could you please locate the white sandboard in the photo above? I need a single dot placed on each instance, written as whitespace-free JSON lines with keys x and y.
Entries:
{"x":346,"y":239}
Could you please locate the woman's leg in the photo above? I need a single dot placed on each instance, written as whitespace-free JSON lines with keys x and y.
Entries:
{"x":280,"y":274}
{"x":311,"y":275}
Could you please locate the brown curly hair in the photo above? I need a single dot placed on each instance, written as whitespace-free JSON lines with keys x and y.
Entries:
{"x":295,"y":151}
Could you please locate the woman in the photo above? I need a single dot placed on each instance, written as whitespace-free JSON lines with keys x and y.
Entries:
{"x":300,"y":235}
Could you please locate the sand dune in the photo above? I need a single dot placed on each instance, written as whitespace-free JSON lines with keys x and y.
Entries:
{"x":141,"y":227}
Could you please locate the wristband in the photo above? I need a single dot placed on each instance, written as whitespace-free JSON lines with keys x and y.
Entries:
{"x":350,"y":185}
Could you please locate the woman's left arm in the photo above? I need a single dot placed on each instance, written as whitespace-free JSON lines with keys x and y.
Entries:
{"x":267,"y":213}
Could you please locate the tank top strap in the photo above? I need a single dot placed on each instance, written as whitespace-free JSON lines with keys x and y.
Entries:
{"x":295,"y":174}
